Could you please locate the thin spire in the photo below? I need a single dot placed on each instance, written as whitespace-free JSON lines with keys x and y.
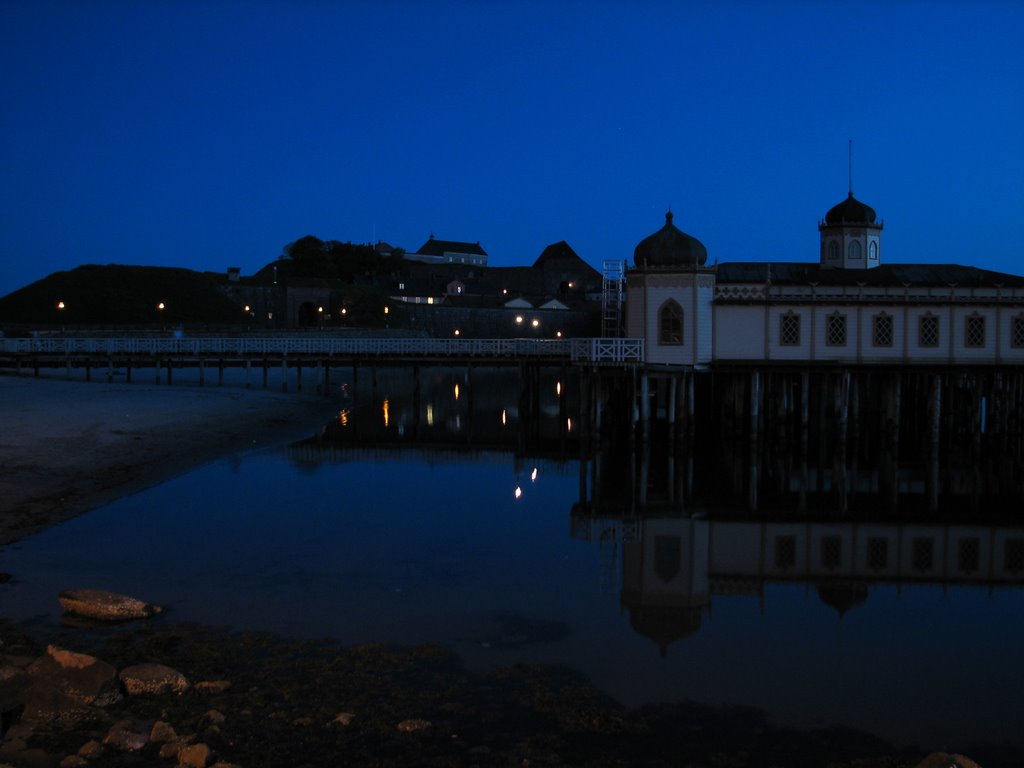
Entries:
{"x":850,"y":167}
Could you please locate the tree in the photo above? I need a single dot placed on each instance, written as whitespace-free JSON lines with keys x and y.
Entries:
{"x":305,"y":249}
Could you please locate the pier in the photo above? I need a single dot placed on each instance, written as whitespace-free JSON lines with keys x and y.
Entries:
{"x":163,"y":355}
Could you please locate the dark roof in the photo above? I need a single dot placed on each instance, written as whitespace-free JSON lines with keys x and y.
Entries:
{"x":434,"y":247}
{"x":560,"y":251}
{"x":802,"y":273}
{"x":670,"y":247}
{"x":850,"y":211}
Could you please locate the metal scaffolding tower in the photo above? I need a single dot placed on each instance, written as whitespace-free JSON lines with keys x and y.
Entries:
{"x":612,"y":297}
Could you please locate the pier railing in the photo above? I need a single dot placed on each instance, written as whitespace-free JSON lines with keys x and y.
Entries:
{"x":592,"y":350}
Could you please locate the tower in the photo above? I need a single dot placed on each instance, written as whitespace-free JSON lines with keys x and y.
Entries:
{"x":851,"y":238}
{"x":668,"y":298}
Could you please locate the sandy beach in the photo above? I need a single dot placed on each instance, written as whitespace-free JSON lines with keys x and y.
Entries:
{"x":68,"y":446}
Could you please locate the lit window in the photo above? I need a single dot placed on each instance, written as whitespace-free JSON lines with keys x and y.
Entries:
{"x":854,"y":250}
{"x":1017,"y":331}
{"x":835,"y":330}
{"x":789,"y":329}
{"x":881,"y":330}
{"x":670,"y":320}
{"x":928,"y":331}
{"x":974,"y":331}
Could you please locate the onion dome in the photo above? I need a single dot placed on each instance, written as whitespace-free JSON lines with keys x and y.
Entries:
{"x":670,"y":247}
{"x":850,"y":211}
{"x":664,"y":624}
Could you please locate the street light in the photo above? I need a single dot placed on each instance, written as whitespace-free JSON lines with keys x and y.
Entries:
{"x":60,"y":306}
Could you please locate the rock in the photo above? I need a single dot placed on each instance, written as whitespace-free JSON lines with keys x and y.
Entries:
{"x":47,"y":704}
{"x":172,"y":748}
{"x":73,"y":761}
{"x":302,"y":722}
{"x":943,"y":760}
{"x":33,"y":758}
{"x":153,"y":680}
{"x":125,"y":737}
{"x":212,"y":686}
{"x":80,"y":676}
{"x":162,"y":732}
{"x":410,"y":726}
{"x":21,"y":730}
{"x":213,"y":717}
{"x":90,"y":750}
{"x":106,"y":606}
{"x":194,"y":756}
{"x":69,"y":659}
{"x":14,"y":685}
{"x":343,"y":718}
{"x":13,"y":745}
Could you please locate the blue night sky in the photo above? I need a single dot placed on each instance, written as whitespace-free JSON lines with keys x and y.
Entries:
{"x":209,"y":134}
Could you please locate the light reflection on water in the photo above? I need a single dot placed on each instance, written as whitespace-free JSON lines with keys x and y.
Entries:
{"x":418,"y":540}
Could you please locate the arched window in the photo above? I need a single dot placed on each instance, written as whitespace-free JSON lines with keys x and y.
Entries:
{"x":974,"y":330}
{"x":873,"y":250}
{"x":789,"y":329}
{"x":835,"y":330}
{"x":854,"y":251}
{"x":670,"y":323}
{"x":1017,"y":331}
{"x":882,"y":330}
{"x":833,"y":250}
{"x":928,"y":330}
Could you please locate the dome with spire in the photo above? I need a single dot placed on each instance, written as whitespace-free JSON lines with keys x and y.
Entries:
{"x":670,"y":247}
{"x":850,"y":211}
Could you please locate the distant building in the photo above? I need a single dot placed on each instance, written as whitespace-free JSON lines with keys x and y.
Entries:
{"x":449,"y":252}
{"x":848,"y":308}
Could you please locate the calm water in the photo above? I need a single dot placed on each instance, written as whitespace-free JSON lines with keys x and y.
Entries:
{"x":400,"y":527}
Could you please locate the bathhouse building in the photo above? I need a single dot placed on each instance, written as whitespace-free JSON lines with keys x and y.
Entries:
{"x":850,"y":307}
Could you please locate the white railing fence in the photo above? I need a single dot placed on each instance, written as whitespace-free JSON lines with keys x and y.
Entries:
{"x":583,"y":350}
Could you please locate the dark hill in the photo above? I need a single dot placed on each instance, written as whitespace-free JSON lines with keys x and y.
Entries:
{"x":120,"y":295}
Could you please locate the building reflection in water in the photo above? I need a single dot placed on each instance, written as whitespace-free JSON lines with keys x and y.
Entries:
{"x":717,"y":505}
{"x":674,"y":547}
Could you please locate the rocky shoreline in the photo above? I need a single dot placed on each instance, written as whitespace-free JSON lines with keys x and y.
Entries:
{"x":161,"y":694}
